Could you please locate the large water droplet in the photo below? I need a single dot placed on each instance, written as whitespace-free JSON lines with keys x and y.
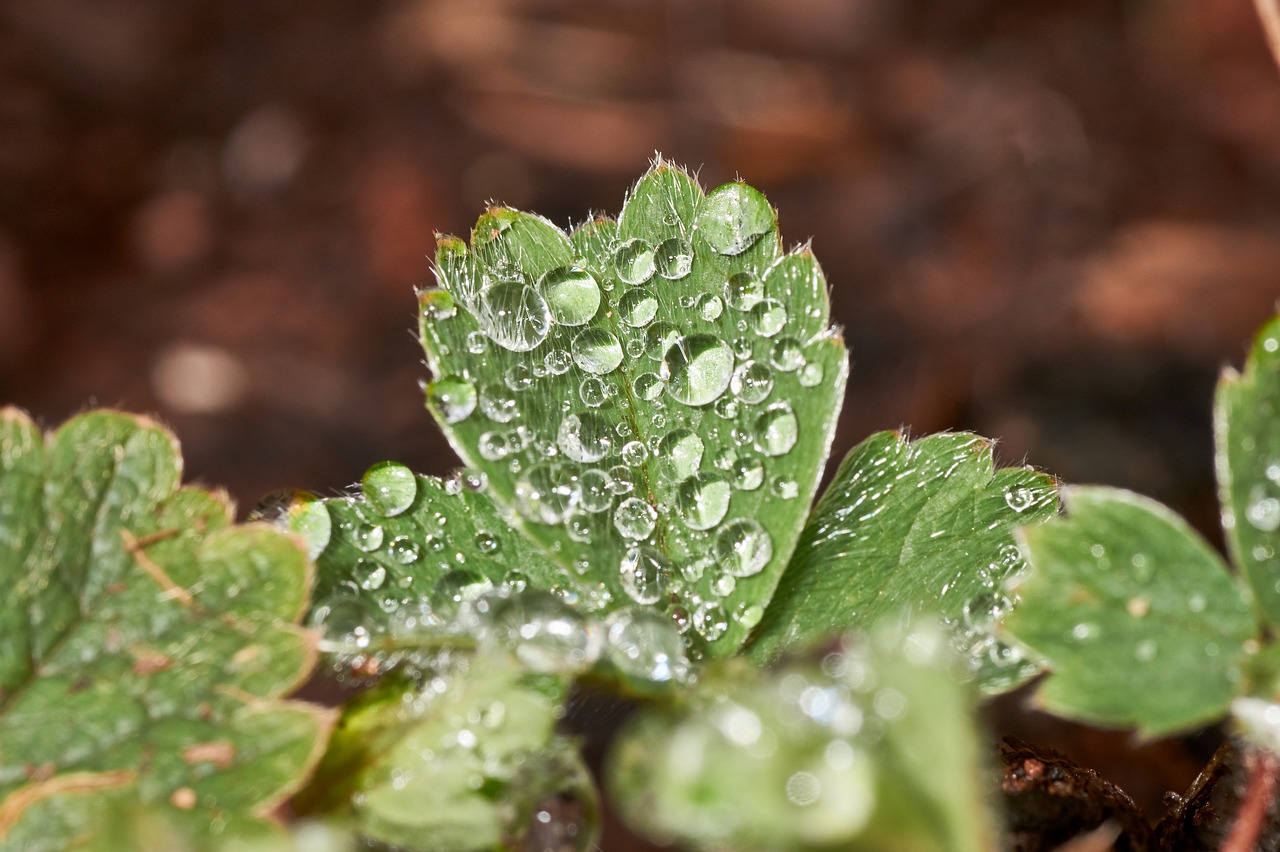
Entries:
{"x":642,"y":643}
{"x":744,"y":547}
{"x":658,"y":338}
{"x":595,"y":490}
{"x":593,"y":392}
{"x":634,"y":261}
{"x":584,"y":437}
{"x":638,"y":307}
{"x":744,"y":291}
{"x":389,"y":487}
{"x":453,"y":398}
{"x":776,"y":430}
{"x":514,"y":315}
{"x":597,"y":351}
{"x":545,"y":633}
{"x":787,"y":355}
{"x":674,"y":258}
{"x":733,"y":217}
{"x":546,"y":492}
{"x":704,"y":500}
{"x":768,"y":317}
{"x":370,"y":575}
{"x":697,"y":368}
{"x":498,"y":403}
{"x":681,"y":451}
{"x":752,"y":382}
{"x":709,"y":307}
{"x":635,"y":519}
{"x":646,"y":574}
{"x":571,"y":293}
{"x":367,"y":537}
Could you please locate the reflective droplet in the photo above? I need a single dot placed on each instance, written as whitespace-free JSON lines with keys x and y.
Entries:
{"x":370,"y":575}
{"x":744,"y":547}
{"x":635,"y":519}
{"x":776,"y":430}
{"x":452,"y":398}
{"x":659,"y":337}
{"x":389,"y":487}
{"x":404,"y":550}
{"x":747,"y":614}
{"x":593,"y":392}
{"x":1263,"y":513}
{"x":546,"y":492}
{"x":571,"y":293}
{"x":811,"y":374}
{"x":634,"y":453}
{"x":768,"y":317}
{"x":487,"y":542}
{"x":710,"y":620}
{"x":595,"y":490}
{"x":638,"y":307}
{"x":681,"y":450}
{"x":704,"y":500}
{"x":733,"y":217}
{"x":787,"y":354}
{"x":648,"y":386}
{"x":743,"y":291}
{"x":752,"y":382}
{"x":514,"y":315}
{"x":674,"y":258}
{"x":784,"y":488}
{"x":498,"y":403}
{"x":634,"y":261}
{"x":1020,"y":498}
{"x":477,"y":343}
{"x":748,"y":473}
{"x":597,"y":351}
{"x":545,"y":633}
{"x":646,"y":574}
{"x":642,"y":643}
{"x":558,"y":362}
{"x":584,"y":437}
{"x":709,"y":307}
{"x":697,"y":368}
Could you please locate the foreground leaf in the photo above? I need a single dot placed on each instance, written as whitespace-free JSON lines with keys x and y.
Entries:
{"x":654,"y":397}
{"x":1247,"y":423}
{"x":144,"y":640}
{"x":873,"y":748}
{"x":1134,"y":613}
{"x":905,"y":526}
{"x":466,"y":760}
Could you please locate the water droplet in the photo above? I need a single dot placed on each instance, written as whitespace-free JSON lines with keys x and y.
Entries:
{"x":593,"y":392}
{"x":595,"y":492}
{"x":597,"y":351}
{"x":545,"y":633}
{"x":743,"y":291}
{"x":558,"y":362}
{"x":638,"y":307}
{"x":697,"y":368}
{"x":584,"y":437}
{"x":404,"y":550}
{"x":368,"y":536}
{"x":1263,"y":513}
{"x":518,"y":378}
{"x":709,"y":307}
{"x":784,"y":488}
{"x":635,"y":519}
{"x":634,"y":453}
{"x":389,"y":487}
{"x":787,"y":354}
{"x":748,"y":473}
{"x":776,"y":430}
{"x":498,"y":404}
{"x":681,"y":450}
{"x":646,"y":574}
{"x":748,"y":614}
{"x":487,"y":542}
{"x":642,"y":643}
{"x":1020,"y":498}
{"x":546,"y":492}
{"x":453,"y":398}
{"x":674,"y":258}
{"x":710,"y":620}
{"x":811,"y":374}
{"x":571,"y":293}
{"x":744,"y":547}
{"x":768,"y":317}
{"x":704,"y":500}
{"x":648,"y":386}
{"x":733,"y":217}
{"x":370,"y":575}
{"x":660,"y":337}
{"x":514,"y":315}
{"x":634,"y":261}
{"x":752,"y":382}
{"x":477,"y":343}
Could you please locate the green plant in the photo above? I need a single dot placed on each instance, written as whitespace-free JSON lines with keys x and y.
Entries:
{"x":645,"y":407}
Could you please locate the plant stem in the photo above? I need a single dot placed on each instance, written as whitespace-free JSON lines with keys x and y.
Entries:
{"x":1263,"y":768}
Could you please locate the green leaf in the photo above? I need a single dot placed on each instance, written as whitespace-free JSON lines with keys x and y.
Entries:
{"x":144,"y":640}
{"x":1247,"y":421}
{"x":463,"y":761}
{"x":873,"y":748}
{"x":1134,"y":613}
{"x":654,"y":397}
{"x":910,"y":526}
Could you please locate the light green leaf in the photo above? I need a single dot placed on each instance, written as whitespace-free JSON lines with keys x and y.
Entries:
{"x":909,"y":526}
{"x":144,"y":640}
{"x":654,"y":397}
{"x":1247,"y":423}
{"x":873,"y":748}
{"x":463,"y":761}
{"x":1135,"y":614}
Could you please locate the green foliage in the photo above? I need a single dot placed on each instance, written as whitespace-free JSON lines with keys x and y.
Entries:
{"x":871,"y":748}
{"x":904,"y":526}
{"x":145,"y":641}
{"x":654,"y":398}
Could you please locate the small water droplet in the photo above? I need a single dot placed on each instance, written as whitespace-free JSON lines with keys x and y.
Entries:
{"x":498,"y":403}
{"x":776,"y":430}
{"x":733,"y":217}
{"x":748,"y":473}
{"x":752,"y":382}
{"x":698,"y":368}
{"x":370,"y":575}
{"x":644,"y":644}
{"x":634,"y":453}
{"x":635,"y":519}
{"x":404,"y":550}
{"x":593,"y":392}
{"x":1020,"y":498}
{"x":584,"y":437}
{"x":784,"y":488}
{"x":389,"y":487}
{"x":558,"y":362}
{"x":681,"y":450}
{"x":648,"y":386}
{"x":709,"y":307}
{"x":703,"y":500}
{"x":634,"y":261}
{"x":768,"y":317}
{"x":674,"y":258}
{"x":571,"y":293}
{"x":646,"y":574}
{"x":595,"y":490}
{"x":477,"y":343}
{"x":743,"y":291}
{"x":710,"y":620}
{"x":452,"y":397}
{"x":811,"y":374}
{"x":1263,"y":513}
{"x":660,"y":337}
{"x":787,"y":355}
{"x":597,"y":351}
{"x":518,"y":378}
{"x":514,"y":315}
{"x":744,"y":547}
{"x":638,"y":307}
{"x":487,"y":542}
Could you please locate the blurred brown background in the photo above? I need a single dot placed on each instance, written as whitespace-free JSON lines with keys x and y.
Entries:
{"x":1051,"y":222}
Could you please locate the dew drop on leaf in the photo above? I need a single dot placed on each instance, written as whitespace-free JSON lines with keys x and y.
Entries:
{"x":768,"y":317}
{"x":704,"y":500}
{"x":404,"y":550}
{"x":811,"y":375}
{"x":698,"y":368}
{"x":674,"y":258}
{"x":634,"y":261}
{"x":368,"y":537}
{"x":638,"y":307}
{"x":787,"y":355}
{"x":584,"y":437}
{"x":597,"y":351}
{"x":776,"y":430}
{"x":571,"y":293}
{"x":743,"y":291}
{"x":752,"y":382}
{"x":646,"y":574}
{"x":498,"y":403}
{"x":733,"y":217}
{"x":709,"y":307}
{"x":514,"y":315}
{"x":635,"y":519}
{"x":644,"y":644}
{"x":648,"y":386}
{"x":710,"y":620}
{"x":681,"y":450}
{"x":453,"y":397}
{"x":744,"y":547}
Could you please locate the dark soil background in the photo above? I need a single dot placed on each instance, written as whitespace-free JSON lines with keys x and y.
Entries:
{"x":1049,"y":222}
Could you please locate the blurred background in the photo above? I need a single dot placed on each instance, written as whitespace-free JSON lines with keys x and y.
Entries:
{"x":1049,"y":222}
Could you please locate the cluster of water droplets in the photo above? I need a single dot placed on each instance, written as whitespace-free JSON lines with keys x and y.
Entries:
{"x":612,"y":390}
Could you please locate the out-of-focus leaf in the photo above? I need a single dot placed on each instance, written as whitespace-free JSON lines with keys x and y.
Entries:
{"x":144,"y":641}
{"x":873,"y":748}
{"x":1134,"y":614}
{"x":1247,"y":420}
{"x":654,"y":397}
{"x":907,"y":526}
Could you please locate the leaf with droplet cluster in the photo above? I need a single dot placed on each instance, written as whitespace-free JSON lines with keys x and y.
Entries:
{"x":1134,"y":613}
{"x":1247,"y":421}
{"x":911,"y":525}
{"x":145,"y":641}
{"x":461,"y":761}
{"x":873,"y":747}
{"x":654,"y":397}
